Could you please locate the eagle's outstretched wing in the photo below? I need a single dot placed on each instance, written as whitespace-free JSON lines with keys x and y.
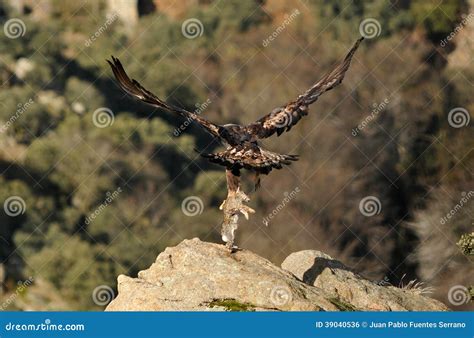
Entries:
{"x":135,"y":89}
{"x":284,"y":118}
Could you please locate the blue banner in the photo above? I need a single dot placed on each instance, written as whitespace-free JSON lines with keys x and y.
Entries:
{"x":237,"y":324}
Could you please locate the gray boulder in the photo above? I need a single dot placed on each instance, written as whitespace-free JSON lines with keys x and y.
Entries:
{"x":334,"y":278}
{"x":200,"y":276}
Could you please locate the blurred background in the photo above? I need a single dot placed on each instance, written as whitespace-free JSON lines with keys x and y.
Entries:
{"x":94,"y":184}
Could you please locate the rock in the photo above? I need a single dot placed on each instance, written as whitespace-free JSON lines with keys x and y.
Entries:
{"x":127,"y":11}
{"x":334,"y":278}
{"x":202,"y":276}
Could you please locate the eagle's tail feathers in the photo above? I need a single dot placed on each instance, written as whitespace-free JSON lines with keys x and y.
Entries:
{"x":251,"y":158}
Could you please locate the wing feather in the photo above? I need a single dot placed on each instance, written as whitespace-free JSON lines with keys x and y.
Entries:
{"x":135,"y":89}
{"x":284,"y":118}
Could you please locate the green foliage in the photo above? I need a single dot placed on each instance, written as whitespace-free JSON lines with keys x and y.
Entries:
{"x":341,"y":305}
{"x":82,"y":92}
{"x":235,"y":15}
{"x":466,"y":244}
{"x":73,"y":265}
{"x":438,"y":19}
{"x":65,"y":168}
{"x":232,"y":305}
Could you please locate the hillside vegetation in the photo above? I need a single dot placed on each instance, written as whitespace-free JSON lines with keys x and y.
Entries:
{"x":104,"y":200}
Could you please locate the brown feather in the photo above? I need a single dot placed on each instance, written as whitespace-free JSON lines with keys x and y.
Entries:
{"x":250,"y":156}
{"x":135,"y":89}
{"x":284,"y":118}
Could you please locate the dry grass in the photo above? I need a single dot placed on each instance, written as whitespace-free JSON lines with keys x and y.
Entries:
{"x":416,"y":287}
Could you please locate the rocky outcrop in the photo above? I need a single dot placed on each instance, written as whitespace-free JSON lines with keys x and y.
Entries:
{"x":322,"y":271}
{"x":204,"y":276}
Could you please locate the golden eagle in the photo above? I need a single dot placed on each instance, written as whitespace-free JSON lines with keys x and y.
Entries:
{"x":241,"y":141}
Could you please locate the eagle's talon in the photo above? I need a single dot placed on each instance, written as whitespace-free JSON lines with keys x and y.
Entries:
{"x":221,"y":207}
